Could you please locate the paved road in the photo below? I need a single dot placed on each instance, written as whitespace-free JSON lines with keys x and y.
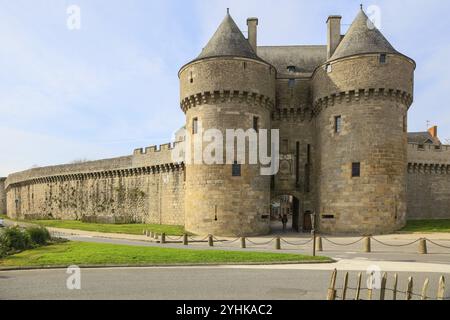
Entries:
{"x":186,"y":283}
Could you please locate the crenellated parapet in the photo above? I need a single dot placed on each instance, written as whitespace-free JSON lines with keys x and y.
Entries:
{"x":350,"y":96}
{"x":291,"y":114}
{"x":428,"y":154}
{"x":235,"y":96}
{"x":155,"y":155}
{"x":95,"y":175}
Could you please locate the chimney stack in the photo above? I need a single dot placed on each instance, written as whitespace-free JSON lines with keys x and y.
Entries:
{"x":333,"y":34}
{"x":252,"y":24}
{"x":433,"y":131}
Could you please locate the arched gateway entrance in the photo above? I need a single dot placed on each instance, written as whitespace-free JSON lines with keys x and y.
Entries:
{"x":285,"y":207}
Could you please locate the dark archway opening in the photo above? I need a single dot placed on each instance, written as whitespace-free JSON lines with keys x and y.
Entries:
{"x":285,"y":214}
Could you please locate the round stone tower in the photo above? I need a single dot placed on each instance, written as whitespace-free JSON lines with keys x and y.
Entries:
{"x":361,"y":96}
{"x":228,"y":87}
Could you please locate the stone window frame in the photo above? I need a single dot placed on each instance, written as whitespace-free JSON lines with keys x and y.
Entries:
{"x":256,"y":123}
{"x":236,"y":169}
{"x":356,"y":169}
{"x":328,"y":68}
{"x":382,"y":58}
{"x":195,"y":125}
{"x":338,"y":124}
{"x":291,"y":83}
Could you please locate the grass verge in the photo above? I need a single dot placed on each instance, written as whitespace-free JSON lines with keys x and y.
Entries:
{"x":97,"y":254}
{"x":135,"y":229}
{"x":427,"y":226}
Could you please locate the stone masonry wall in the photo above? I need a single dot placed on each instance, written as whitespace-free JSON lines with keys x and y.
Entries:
{"x":2,"y":196}
{"x":107,"y":191}
{"x":428,"y":184}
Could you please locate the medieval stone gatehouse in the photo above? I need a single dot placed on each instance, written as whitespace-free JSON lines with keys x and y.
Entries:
{"x":345,"y":154}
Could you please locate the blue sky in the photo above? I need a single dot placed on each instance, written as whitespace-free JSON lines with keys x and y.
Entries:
{"x":112,"y":86}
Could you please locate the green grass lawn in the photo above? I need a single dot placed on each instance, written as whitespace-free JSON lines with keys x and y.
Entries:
{"x":82,"y":253}
{"x":427,"y":226}
{"x":109,"y":228}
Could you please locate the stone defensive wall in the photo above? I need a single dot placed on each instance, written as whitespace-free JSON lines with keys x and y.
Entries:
{"x":428,"y":182}
{"x":2,"y":196}
{"x":144,"y":187}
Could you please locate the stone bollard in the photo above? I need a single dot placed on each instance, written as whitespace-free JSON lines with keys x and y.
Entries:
{"x":366,"y":245}
{"x":423,"y":246}
{"x":210,"y":240}
{"x":163,"y":238}
{"x":278,"y":243}
{"x":144,"y":232}
{"x":156,"y":237}
{"x":319,"y":245}
{"x":243,"y":244}
{"x":147,"y":233}
{"x":152,"y":235}
{"x":185,"y":239}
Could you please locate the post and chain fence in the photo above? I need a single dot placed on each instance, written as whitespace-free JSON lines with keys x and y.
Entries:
{"x":318,"y":243}
{"x":378,"y":292}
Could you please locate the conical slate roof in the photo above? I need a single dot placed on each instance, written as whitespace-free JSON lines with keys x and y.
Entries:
{"x":228,"y":41}
{"x":362,"y":37}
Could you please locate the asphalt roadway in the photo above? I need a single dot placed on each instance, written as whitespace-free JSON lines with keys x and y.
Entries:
{"x":190,"y":283}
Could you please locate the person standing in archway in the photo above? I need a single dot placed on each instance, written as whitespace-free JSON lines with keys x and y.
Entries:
{"x":284,"y":220}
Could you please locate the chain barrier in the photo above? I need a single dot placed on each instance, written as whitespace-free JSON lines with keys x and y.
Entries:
{"x":260,"y":243}
{"x":296,"y":244}
{"x":437,"y":244}
{"x":197,"y":240}
{"x":342,"y":244}
{"x":174,"y":239}
{"x":396,"y":245}
{"x":228,"y":242}
{"x":225,"y":242}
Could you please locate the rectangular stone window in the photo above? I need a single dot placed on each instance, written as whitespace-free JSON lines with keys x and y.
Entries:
{"x":327,"y":216}
{"x":236,"y":169}
{"x":338,"y":124}
{"x":195,"y":126}
{"x":383,"y":58}
{"x":291,"y":69}
{"x":291,"y":83}
{"x":356,"y":169}
{"x":256,"y":123}
{"x":328,"y":68}
{"x":285,"y":146}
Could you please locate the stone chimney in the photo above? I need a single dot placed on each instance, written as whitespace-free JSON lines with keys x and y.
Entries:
{"x":433,"y":131}
{"x":252,"y":24}
{"x":333,"y":34}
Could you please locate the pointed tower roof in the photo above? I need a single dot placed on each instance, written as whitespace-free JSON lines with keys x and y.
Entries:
{"x":362,"y":37}
{"x":228,"y":41}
